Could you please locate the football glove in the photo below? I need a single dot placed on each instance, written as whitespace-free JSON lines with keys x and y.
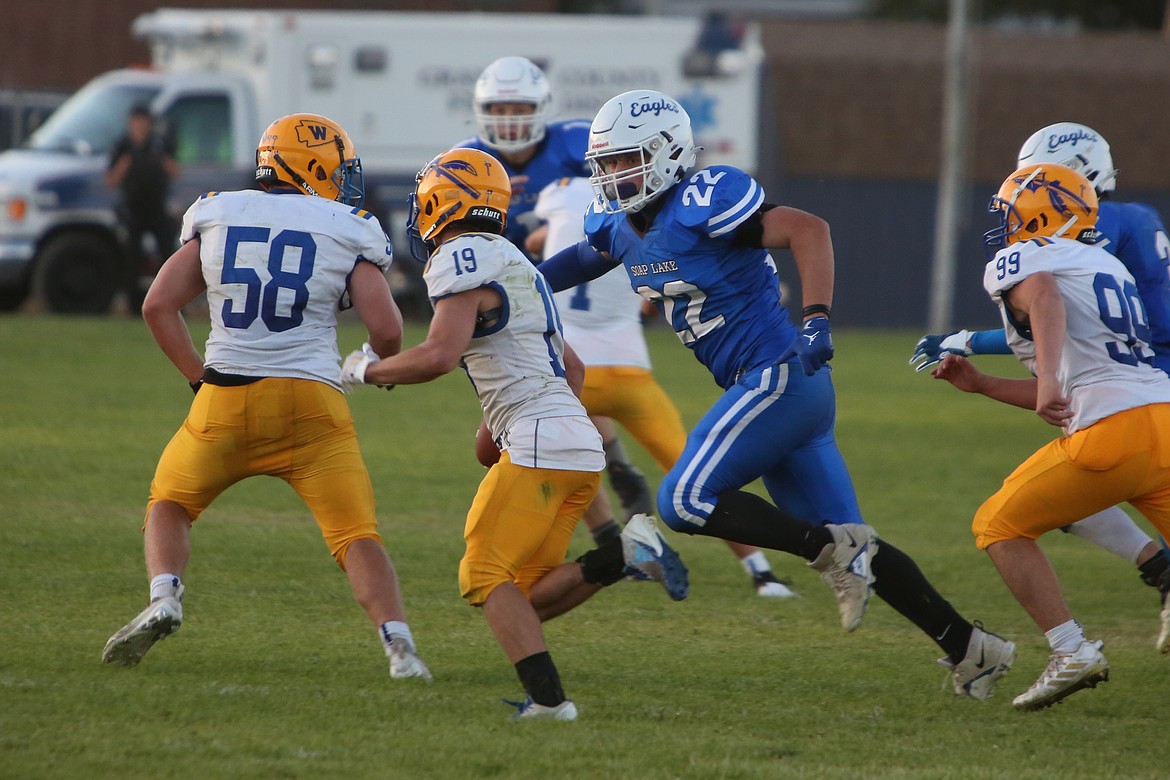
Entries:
{"x":353,"y":369}
{"x":814,"y":345}
{"x":931,"y":348}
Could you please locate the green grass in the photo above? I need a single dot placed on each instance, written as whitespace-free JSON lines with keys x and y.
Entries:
{"x":276,"y":673}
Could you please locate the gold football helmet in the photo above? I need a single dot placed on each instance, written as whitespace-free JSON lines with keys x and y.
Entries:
{"x":1043,"y":201}
{"x":312,"y":153}
{"x":458,"y":184}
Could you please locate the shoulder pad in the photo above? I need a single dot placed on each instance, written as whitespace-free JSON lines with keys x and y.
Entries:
{"x":596,"y":220}
{"x":718,"y":199}
{"x":452,"y":270}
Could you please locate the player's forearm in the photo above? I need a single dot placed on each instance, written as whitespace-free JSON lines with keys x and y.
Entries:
{"x":808,"y":237}
{"x":415,"y":366}
{"x":170,"y":332}
{"x":989,"y":342}
{"x":1014,"y":392}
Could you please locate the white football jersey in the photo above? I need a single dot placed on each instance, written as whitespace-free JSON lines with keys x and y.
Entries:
{"x":516,"y":363}
{"x":276,"y":267}
{"x":1104,"y":364}
{"x":602,"y":318}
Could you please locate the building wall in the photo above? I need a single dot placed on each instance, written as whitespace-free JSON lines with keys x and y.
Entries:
{"x":866,"y":99}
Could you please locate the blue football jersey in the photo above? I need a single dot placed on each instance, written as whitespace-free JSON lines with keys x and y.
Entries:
{"x":561,"y":153}
{"x":1138,"y":239}
{"x":722,"y":300}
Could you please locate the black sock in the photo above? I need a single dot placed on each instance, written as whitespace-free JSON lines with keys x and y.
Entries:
{"x":902,"y":585}
{"x":538,"y":674}
{"x":604,"y":564}
{"x":1156,"y":571}
{"x":748,"y":519}
{"x":615,"y":452}
{"x":606,"y":532}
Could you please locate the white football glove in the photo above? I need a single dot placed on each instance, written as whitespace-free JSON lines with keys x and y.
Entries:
{"x":353,"y":369}
{"x":930,"y":348}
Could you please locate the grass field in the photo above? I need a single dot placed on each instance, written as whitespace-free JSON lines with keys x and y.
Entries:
{"x":276,"y":673}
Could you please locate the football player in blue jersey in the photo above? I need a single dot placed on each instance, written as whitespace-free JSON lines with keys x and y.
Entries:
{"x":512,"y":105}
{"x":1135,"y":235}
{"x":696,"y":243}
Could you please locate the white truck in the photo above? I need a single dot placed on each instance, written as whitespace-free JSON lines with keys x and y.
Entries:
{"x":400,"y":83}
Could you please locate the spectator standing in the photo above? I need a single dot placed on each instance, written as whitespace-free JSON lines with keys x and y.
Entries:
{"x":142,"y":166}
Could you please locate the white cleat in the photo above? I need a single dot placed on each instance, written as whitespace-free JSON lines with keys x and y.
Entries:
{"x":649,"y":557}
{"x":989,"y":657}
{"x":768,"y":586}
{"x":158,"y":621}
{"x":1066,"y":674}
{"x":846,"y":565}
{"x":530,"y":710}
{"x":404,"y":660}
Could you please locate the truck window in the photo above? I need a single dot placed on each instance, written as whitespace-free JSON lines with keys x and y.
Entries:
{"x":92,"y":120}
{"x":200,"y":127}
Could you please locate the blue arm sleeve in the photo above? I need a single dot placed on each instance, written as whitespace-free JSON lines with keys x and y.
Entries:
{"x":990,"y":342}
{"x":575,"y":264}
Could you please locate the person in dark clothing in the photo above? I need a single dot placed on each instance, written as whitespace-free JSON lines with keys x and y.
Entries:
{"x":142,"y":165}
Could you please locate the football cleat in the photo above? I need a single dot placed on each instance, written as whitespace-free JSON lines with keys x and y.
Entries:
{"x":989,"y":657}
{"x":846,"y":566}
{"x":1067,"y":673}
{"x":161,"y":618}
{"x":404,"y":660}
{"x":769,"y":586}
{"x":528,"y":709}
{"x":649,"y":557}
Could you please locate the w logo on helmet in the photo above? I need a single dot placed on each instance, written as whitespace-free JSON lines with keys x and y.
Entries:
{"x":315,"y":134}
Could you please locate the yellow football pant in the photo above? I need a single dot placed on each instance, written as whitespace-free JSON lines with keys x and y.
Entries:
{"x":296,"y":429}
{"x":638,"y":403}
{"x":1123,"y":458}
{"x":519,"y":526}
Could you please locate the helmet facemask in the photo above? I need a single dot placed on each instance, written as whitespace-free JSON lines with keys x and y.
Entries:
{"x":511,"y":132}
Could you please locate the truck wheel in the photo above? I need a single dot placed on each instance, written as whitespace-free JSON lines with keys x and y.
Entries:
{"x":14,"y":296}
{"x":77,"y":274}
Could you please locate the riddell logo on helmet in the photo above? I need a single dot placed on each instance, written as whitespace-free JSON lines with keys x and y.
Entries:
{"x":655,"y":107}
{"x":1056,"y":141}
{"x":600,"y":145}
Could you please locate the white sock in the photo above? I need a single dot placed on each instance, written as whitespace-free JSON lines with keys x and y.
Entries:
{"x":392,"y":628}
{"x":1066,"y":637}
{"x":165,"y":585}
{"x":1112,"y":529}
{"x":755,"y":563}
